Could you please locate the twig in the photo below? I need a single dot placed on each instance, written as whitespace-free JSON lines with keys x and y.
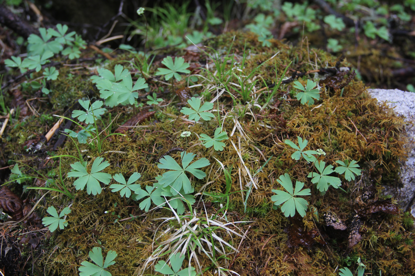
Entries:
{"x":6,"y":121}
{"x":357,"y":130}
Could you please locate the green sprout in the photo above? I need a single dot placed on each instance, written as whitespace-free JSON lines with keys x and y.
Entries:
{"x":307,"y":155}
{"x":91,"y":180}
{"x":153,"y":100}
{"x":308,"y":94}
{"x":291,"y":202}
{"x":176,"y":262}
{"x":334,"y":22}
{"x":322,"y":178}
{"x":216,"y":140}
{"x":56,"y":220}
{"x":124,"y":187}
{"x":173,"y":68}
{"x":176,"y":177}
{"x":196,"y":111}
{"x":91,"y":114}
{"x":98,"y":269}
{"x":51,"y":73}
{"x":349,"y":169}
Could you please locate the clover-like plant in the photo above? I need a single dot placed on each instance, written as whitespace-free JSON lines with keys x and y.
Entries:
{"x":216,"y":140}
{"x":308,"y":154}
{"x":322,"y":179}
{"x":173,"y":68}
{"x":36,"y":62}
{"x":99,"y":268}
{"x":150,"y":194}
{"x":196,"y":111}
{"x":81,"y":135}
{"x":16,"y":62}
{"x":125,"y":187}
{"x":92,"y":112}
{"x":56,"y":220}
{"x":153,"y":99}
{"x":308,"y":93}
{"x":43,"y":43}
{"x":291,"y":202}
{"x":176,"y":178}
{"x":51,"y":73}
{"x":176,"y":262}
{"x":348,"y":169}
{"x":91,"y":180}
{"x":334,"y":22}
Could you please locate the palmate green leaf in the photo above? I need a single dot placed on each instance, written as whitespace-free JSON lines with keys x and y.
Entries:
{"x":91,"y":180}
{"x":348,"y":169}
{"x":15,"y":62}
{"x":125,"y":188}
{"x":307,"y":155}
{"x":177,"y":178}
{"x":36,"y":62}
{"x":125,"y":89}
{"x":38,"y":45}
{"x":153,"y":100}
{"x":345,"y":272}
{"x":216,"y":140}
{"x":72,"y":52}
{"x":308,"y":94}
{"x":93,"y":111}
{"x":196,"y":111}
{"x":56,"y":220}
{"x":82,"y":135}
{"x":291,"y":203}
{"x":323,"y":179}
{"x":97,"y":269}
{"x":61,"y":36}
{"x":334,"y":22}
{"x":176,"y":262}
{"x":51,"y":73}
{"x":173,"y":68}
{"x":151,"y":194}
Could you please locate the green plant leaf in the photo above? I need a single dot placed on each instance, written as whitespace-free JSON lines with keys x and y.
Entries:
{"x":308,"y":94}
{"x":323,"y":179}
{"x":307,"y":155}
{"x":216,"y":140}
{"x":95,"y":111}
{"x":348,"y":169}
{"x":97,"y":269}
{"x":38,"y":45}
{"x":196,"y":111}
{"x":333,"y":45}
{"x":15,"y":62}
{"x":61,"y":36}
{"x":153,"y":194}
{"x":176,"y":262}
{"x":290,"y":201}
{"x":125,"y":188}
{"x":72,"y":52}
{"x":126,"y":91}
{"x":334,"y":22}
{"x":51,"y":73}
{"x":177,"y":178}
{"x":153,"y":100}
{"x":36,"y":62}
{"x":91,"y":180}
{"x":345,"y":272}
{"x":173,"y":68}
{"x":56,"y":220}
{"x":82,"y":135}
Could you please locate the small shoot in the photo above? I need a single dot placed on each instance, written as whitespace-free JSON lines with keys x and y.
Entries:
{"x":176,"y":177}
{"x":153,"y":99}
{"x":151,"y":194}
{"x":308,"y":154}
{"x":308,"y":94}
{"x":91,"y":180}
{"x":291,"y":202}
{"x":334,"y":22}
{"x":173,"y":68}
{"x":322,"y":178}
{"x":36,"y":62}
{"x":51,"y":73}
{"x":61,"y":36}
{"x":92,"y":112}
{"x":82,"y":135}
{"x":216,"y":140}
{"x":56,"y":220}
{"x":17,"y":175}
{"x":16,"y":62}
{"x":125,"y":187}
{"x":176,"y":262}
{"x":345,"y":272}
{"x":99,"y":268}
{"x":196,"y":111}
{"x":348,"y":169}
{"x":38,"y":45}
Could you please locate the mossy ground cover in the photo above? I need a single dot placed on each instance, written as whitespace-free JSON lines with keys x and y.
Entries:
{"x":346,"y":123}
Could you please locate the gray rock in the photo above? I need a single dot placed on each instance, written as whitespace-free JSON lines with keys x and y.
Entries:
{"x":403,"y":103}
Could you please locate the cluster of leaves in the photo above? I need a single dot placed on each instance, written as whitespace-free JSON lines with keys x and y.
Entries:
{"x":100,"y":266}
{"x":289,"y":200}
{"x":176,"y":262}
{"x":41,"y":48}
{"x":118,"y":88}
